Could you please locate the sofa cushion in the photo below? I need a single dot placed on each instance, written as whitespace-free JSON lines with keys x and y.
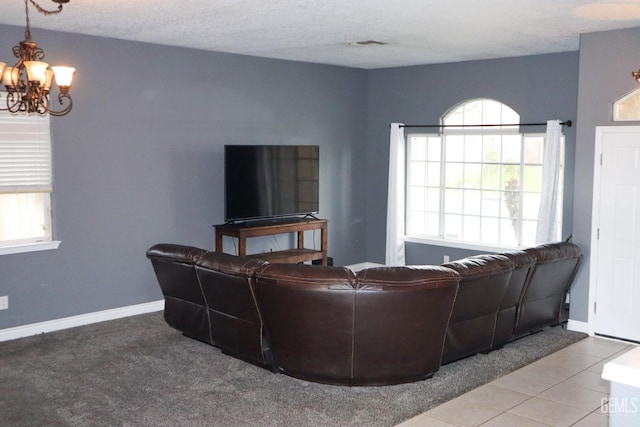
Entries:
{"x":406,"y":277}
{"x":554,"y":251}
{"x":309,"y":275}
{"x":231,"y":264}
{"x":175,"y":253}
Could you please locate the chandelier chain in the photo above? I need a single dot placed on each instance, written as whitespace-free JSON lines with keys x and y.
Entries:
{"x":27,"y":31}
{"x":45,"y":11}
{"x":40,"y":9}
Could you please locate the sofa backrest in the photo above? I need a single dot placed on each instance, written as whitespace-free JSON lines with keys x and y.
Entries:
{"x":483,"y":284}
{"x":523,"y":264}
{"x":385,"y":326}
{"x":545,"y":293}
{"x":235,"y":322}
{"x":185,"y":307}
{"x":308,"y":311}
{"x":400,"y":321}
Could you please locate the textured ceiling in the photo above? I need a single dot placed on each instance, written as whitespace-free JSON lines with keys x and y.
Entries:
{"x":323,"y":31}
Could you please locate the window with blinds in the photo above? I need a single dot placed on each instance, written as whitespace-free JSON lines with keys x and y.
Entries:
{"x":25,"y":179}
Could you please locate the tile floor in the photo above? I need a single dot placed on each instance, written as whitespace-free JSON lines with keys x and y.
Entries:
{"x":563,"y":389}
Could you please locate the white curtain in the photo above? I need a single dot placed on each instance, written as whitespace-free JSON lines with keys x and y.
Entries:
{"x":547,"y":230}
{"x":395,"y":198}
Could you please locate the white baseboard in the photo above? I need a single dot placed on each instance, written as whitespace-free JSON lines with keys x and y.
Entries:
{"x":80,"y":320}
{"x":577,"y":326}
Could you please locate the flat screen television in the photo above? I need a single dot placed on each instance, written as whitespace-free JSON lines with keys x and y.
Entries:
{"x":270,"y":181}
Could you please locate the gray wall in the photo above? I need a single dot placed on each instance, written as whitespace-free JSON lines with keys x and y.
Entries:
{"x":606,"y":61}
{"x":539,"y":88}
{"x":139,"y":161}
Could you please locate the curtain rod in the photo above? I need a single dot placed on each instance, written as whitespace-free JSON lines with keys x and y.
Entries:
{"x":566,"y":123}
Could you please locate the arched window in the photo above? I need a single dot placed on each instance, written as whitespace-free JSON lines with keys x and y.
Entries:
{"x":627,"y":108}
{"x":475,"y":185}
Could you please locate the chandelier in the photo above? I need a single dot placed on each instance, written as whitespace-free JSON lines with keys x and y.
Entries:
{"x":30,"y":80}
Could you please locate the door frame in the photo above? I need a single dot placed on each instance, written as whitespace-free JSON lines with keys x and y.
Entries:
{"x":595,"y":218}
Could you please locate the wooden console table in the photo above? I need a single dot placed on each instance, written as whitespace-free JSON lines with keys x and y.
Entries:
{"x":243,"y":231}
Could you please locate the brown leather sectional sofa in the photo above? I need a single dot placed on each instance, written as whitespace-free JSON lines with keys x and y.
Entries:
{"x":385,"y":325}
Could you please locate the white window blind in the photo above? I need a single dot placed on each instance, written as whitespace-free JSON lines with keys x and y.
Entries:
{"x":25,"y":154}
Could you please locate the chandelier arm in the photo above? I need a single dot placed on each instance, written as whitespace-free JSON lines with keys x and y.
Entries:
{"x":18,"y":104}
{"x":62,"y":98}
{"x":15,"y":103}
{"x":7,"y":104}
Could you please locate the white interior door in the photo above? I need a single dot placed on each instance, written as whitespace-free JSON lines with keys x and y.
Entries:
{"x":616,"y":250}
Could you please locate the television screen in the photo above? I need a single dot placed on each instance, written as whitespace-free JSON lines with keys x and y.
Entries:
{"x":266,"y":181}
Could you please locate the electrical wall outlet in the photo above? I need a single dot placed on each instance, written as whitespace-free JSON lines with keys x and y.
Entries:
{"x":446,"y":259}
{"x":4,"y":303}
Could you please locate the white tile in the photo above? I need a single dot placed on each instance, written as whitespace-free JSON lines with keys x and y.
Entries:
{"x":561,"y":369}
{"x":598,"y":367}
{"x":548,"y":412}
{"x":526,"y":382}
{"x":570,"y":359}
{"x":510,"y":420}
{"x":495,"y":397}
{"x":593,"y":420}
{"x":463,"y":413}
{"x":590,"y":380}
{"x":423,"y":420}
{"x":563,"y":389}
{"x":572,"y":395}
{"x":597,"y":347}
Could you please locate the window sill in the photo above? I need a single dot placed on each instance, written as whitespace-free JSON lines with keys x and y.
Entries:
{"x":30,"y":247}
{"x":459,"y":245}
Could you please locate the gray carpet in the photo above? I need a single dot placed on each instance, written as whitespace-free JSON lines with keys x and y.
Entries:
{"x":139,"y":372}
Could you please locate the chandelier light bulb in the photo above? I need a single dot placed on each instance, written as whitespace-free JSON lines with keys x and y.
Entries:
{"x":36,"y":71}
{"x":49,"y":79}
{"x":10,"y":76}
{"x":64,"y":75}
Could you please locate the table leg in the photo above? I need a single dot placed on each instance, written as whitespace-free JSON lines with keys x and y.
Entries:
{"x":324,"y":244}
{"x":219,"y":247}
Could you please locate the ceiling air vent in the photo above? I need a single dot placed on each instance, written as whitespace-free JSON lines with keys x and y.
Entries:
{"x":368,"y":43}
